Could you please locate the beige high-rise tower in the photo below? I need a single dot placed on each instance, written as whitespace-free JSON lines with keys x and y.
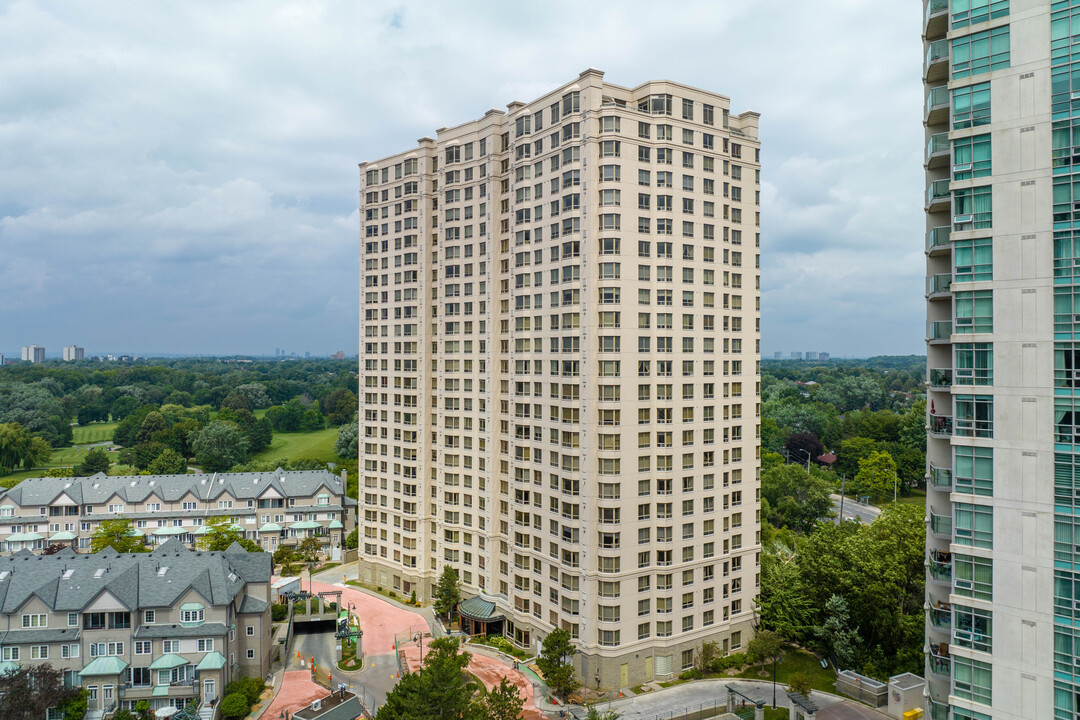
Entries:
{"x":560,"y":372}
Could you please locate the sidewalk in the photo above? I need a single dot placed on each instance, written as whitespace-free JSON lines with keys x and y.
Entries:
{"x":698,"y":694}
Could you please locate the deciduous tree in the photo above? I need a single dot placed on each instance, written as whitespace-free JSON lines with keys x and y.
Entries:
{"x":27,"y":692}
{"x":117,"y":534}
{"x":96,"y":460}
{"x":219,"y":446}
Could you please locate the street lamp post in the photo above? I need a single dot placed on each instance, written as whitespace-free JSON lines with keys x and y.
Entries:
{"x":808,"y":456}
{"x":843,"y":485}
{"x":894,"y":480}
{"x":774,"y":661}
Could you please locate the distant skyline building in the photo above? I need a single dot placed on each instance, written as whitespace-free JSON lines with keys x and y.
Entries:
{"x":33,"y":353}
{"x":796,"y":355}
{"x":778,"y":355}
{"x":73,"y":352}
{"x":560,"y":344}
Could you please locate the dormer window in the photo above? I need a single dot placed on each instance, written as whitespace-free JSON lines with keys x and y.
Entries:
{"x":192,"y":614}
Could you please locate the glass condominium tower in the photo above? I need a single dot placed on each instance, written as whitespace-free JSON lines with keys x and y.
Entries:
{"x":560,"y":372}
{"x":1002,"y":98}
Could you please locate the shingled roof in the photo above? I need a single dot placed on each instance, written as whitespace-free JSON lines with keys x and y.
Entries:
{"x":138,"y":489}
{"x":69,"y":582}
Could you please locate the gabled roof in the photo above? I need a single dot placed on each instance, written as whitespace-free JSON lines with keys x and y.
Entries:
{"x":67,"y":582}
{"x":138,"y":489}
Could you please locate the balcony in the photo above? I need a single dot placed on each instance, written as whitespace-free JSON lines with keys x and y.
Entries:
{"x":940,"y":566}
{"x":128,"y":691}
{"x":940,"y":525}
{"x":938,"y":196}
{"x":937,"y":106}
{"x":941,"y":478}
{"x":940,"y":378}
{"x":940,"y":332}
{"x":939,"y":660}
{"x":941,"y":426}
{"x":937,"y":240}
{"x":939,"y":286}
{"x":937,"y":150}
{"x":936,"y":19}
{"x":936,"y":67}
{"x":938,"y":711}
{"x":940,"y":615}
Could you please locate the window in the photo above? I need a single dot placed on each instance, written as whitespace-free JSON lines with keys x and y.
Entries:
{"x":149,"y":616}
{"x":972,"y":679}
{"x":975,"y":311}
{"x":972,"y":628}
{"x":974,"y":260}
{"x":142,"y":647}
{"x":980,"y":52}
{"x":971,"y":106}
{"x":170,"y":646}
{"x":970,"y":12}
{"x":974,"y":525}
{"x":974,"y":470}
{"x":35,"y":621}
{"x":971,"y":157}
{"x":973,"y":208}
{"x":974,"y":364}
{"x":250,"y":654}
{"x":975,"y":416}
{"x":192,"y":615}
{"x":206,"y":644}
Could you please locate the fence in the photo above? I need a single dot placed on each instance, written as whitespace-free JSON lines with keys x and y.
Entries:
{"x":863,"y":688}
{"x":717,"y":708}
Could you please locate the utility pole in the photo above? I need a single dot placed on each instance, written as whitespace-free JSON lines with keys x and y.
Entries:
{"x":894,"y":480}
{"x":807,"y":459}
{"x":843,"y":485}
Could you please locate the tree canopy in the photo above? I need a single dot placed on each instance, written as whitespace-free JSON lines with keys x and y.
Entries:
{"x":556,"y":662}
{"x":119,"y":535}
{"x":28,"y":691}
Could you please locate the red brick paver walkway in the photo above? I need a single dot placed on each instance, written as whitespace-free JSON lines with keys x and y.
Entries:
{"x":490,"y":672}
{"x":297,"y":692}
{"x":378,"y":619}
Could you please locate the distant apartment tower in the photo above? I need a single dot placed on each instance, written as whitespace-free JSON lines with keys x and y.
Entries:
{"x":1002,"y":159}
{"x":560,"y":372}
{"x":778,"y":355}
{"x":822,"y":356}
{"x":810,"y":355}
{"x":796,"y":355}
{"x":33,"y":353}
{"x":73,"y":352}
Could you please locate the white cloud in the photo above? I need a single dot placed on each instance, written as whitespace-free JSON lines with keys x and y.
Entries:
{"x":182,"y":177}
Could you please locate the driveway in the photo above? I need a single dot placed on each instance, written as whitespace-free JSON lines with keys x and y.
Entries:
{"x":297,"y":691}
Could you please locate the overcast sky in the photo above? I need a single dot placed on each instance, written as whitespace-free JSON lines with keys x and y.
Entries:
{"x":181,"y":177}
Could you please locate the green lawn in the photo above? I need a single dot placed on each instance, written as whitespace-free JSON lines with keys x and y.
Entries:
{"x":93,"y":433}
{"x":318,"y":445}
{"x":794,"y":661}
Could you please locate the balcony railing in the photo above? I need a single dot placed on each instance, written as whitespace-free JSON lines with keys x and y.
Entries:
{"x":938,"y":711}
{"x":939,"y":284}
{"x":940,"y":566}
{"x":941,"y":330}
{"x":937,"y":105}
{"x":941,"y":377}
{"x":938,"y":238}
{"x":938,"y":195}
{"x":940,"y":614}
{"x":937,"y":60}
{"x":937,"y":149}
{"x":941,"y":478}
{"x":940,"y":525}
{"x":935,"y":21}
{"x":941,"y":425}
{"x":940,"y":662}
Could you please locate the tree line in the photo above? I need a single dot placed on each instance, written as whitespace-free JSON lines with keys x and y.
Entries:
{"x":169,"y":412}
{"x":852,"y":592}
